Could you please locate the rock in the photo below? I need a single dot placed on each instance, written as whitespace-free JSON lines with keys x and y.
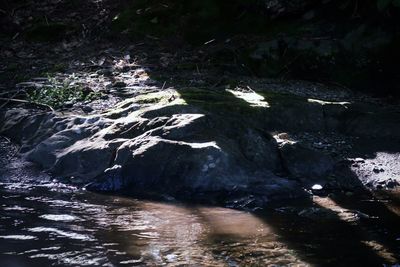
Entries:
{"x":87,"y":109}
{"x":377,"y":170}
{"x":284,"y":136}
{"x":119,"y":84}
{"x":317,"y":187}
{"x":204,"y":145}
{"x":349,"y":194}
{"x":391,"y":183}
{"x":305,"y":163}
{"x":359,"y":160}
{"x":262,"y":150}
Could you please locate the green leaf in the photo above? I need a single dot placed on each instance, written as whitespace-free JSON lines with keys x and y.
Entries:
{"x":383,"y":4}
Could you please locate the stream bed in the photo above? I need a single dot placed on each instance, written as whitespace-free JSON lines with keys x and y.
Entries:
{"x":46,"y":223}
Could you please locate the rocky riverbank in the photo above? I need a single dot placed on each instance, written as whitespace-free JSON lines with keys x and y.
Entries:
{"x":213,"y":145}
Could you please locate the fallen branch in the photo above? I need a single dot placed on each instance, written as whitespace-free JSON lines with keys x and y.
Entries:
{"x":7,"y":100}
{"x":12,"y":91}
{"x":7,"y":139}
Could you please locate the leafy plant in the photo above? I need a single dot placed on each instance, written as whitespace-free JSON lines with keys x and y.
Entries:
{"x":59,"y":93}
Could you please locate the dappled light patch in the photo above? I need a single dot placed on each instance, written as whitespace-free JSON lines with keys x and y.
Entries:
{"x":251,"y":97}
{"x":344,"y":214}
{"x":381,"y":171}
{"x":322,"y":102}
{"x":352,"y":217}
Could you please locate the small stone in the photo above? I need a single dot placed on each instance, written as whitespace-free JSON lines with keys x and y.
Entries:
{"x":359,"y":160}
{"x":68,"y":104}
{"x":119,"y":84}
{"x":283,"y":136}
{"x":205,"y":168}
{"x":317,"y":187}
{"x":75,"y":180}
{"x":376,"y":170}
{"x":105,"y":72}
{"x":391,"y":184}
{"x":87,"y":109}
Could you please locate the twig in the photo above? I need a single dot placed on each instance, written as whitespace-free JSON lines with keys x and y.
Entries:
{"x":24,"y":101}
{"x":11,"y":91}
{"x":7,"y":139}
{"x":163,"y":86}
{"x":14,"y":95}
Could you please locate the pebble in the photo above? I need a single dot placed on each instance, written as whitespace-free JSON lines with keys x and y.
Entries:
{"x":359,"y":160}
{"x":284,"y":136}
{"x":87,"y":109}
{"x":317,"y":187}
{"x":119,"y":84}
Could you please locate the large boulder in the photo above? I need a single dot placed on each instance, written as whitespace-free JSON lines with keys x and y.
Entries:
{"x":201,"y":144}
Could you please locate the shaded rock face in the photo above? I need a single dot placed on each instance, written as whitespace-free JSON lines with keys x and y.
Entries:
{"x":303,"y":162}
{"x":202,"y":143}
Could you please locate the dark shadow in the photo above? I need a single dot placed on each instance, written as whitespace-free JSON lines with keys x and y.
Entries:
{"x":323,"y":238}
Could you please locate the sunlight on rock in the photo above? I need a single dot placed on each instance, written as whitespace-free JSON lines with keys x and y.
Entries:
{"x":251,"y":97}
{"x":322,"y":102}
{"x":283,"y":138}
{"x":382,"y":171}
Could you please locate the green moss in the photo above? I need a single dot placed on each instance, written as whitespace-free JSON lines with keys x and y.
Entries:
{"x":218,"y":102}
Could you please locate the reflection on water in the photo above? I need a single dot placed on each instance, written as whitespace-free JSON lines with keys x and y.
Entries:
{"x":46,"y":223}
{"x":65,"y":228}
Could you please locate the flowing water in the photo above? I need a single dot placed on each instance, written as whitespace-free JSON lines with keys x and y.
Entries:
{"x":46,"y":223}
